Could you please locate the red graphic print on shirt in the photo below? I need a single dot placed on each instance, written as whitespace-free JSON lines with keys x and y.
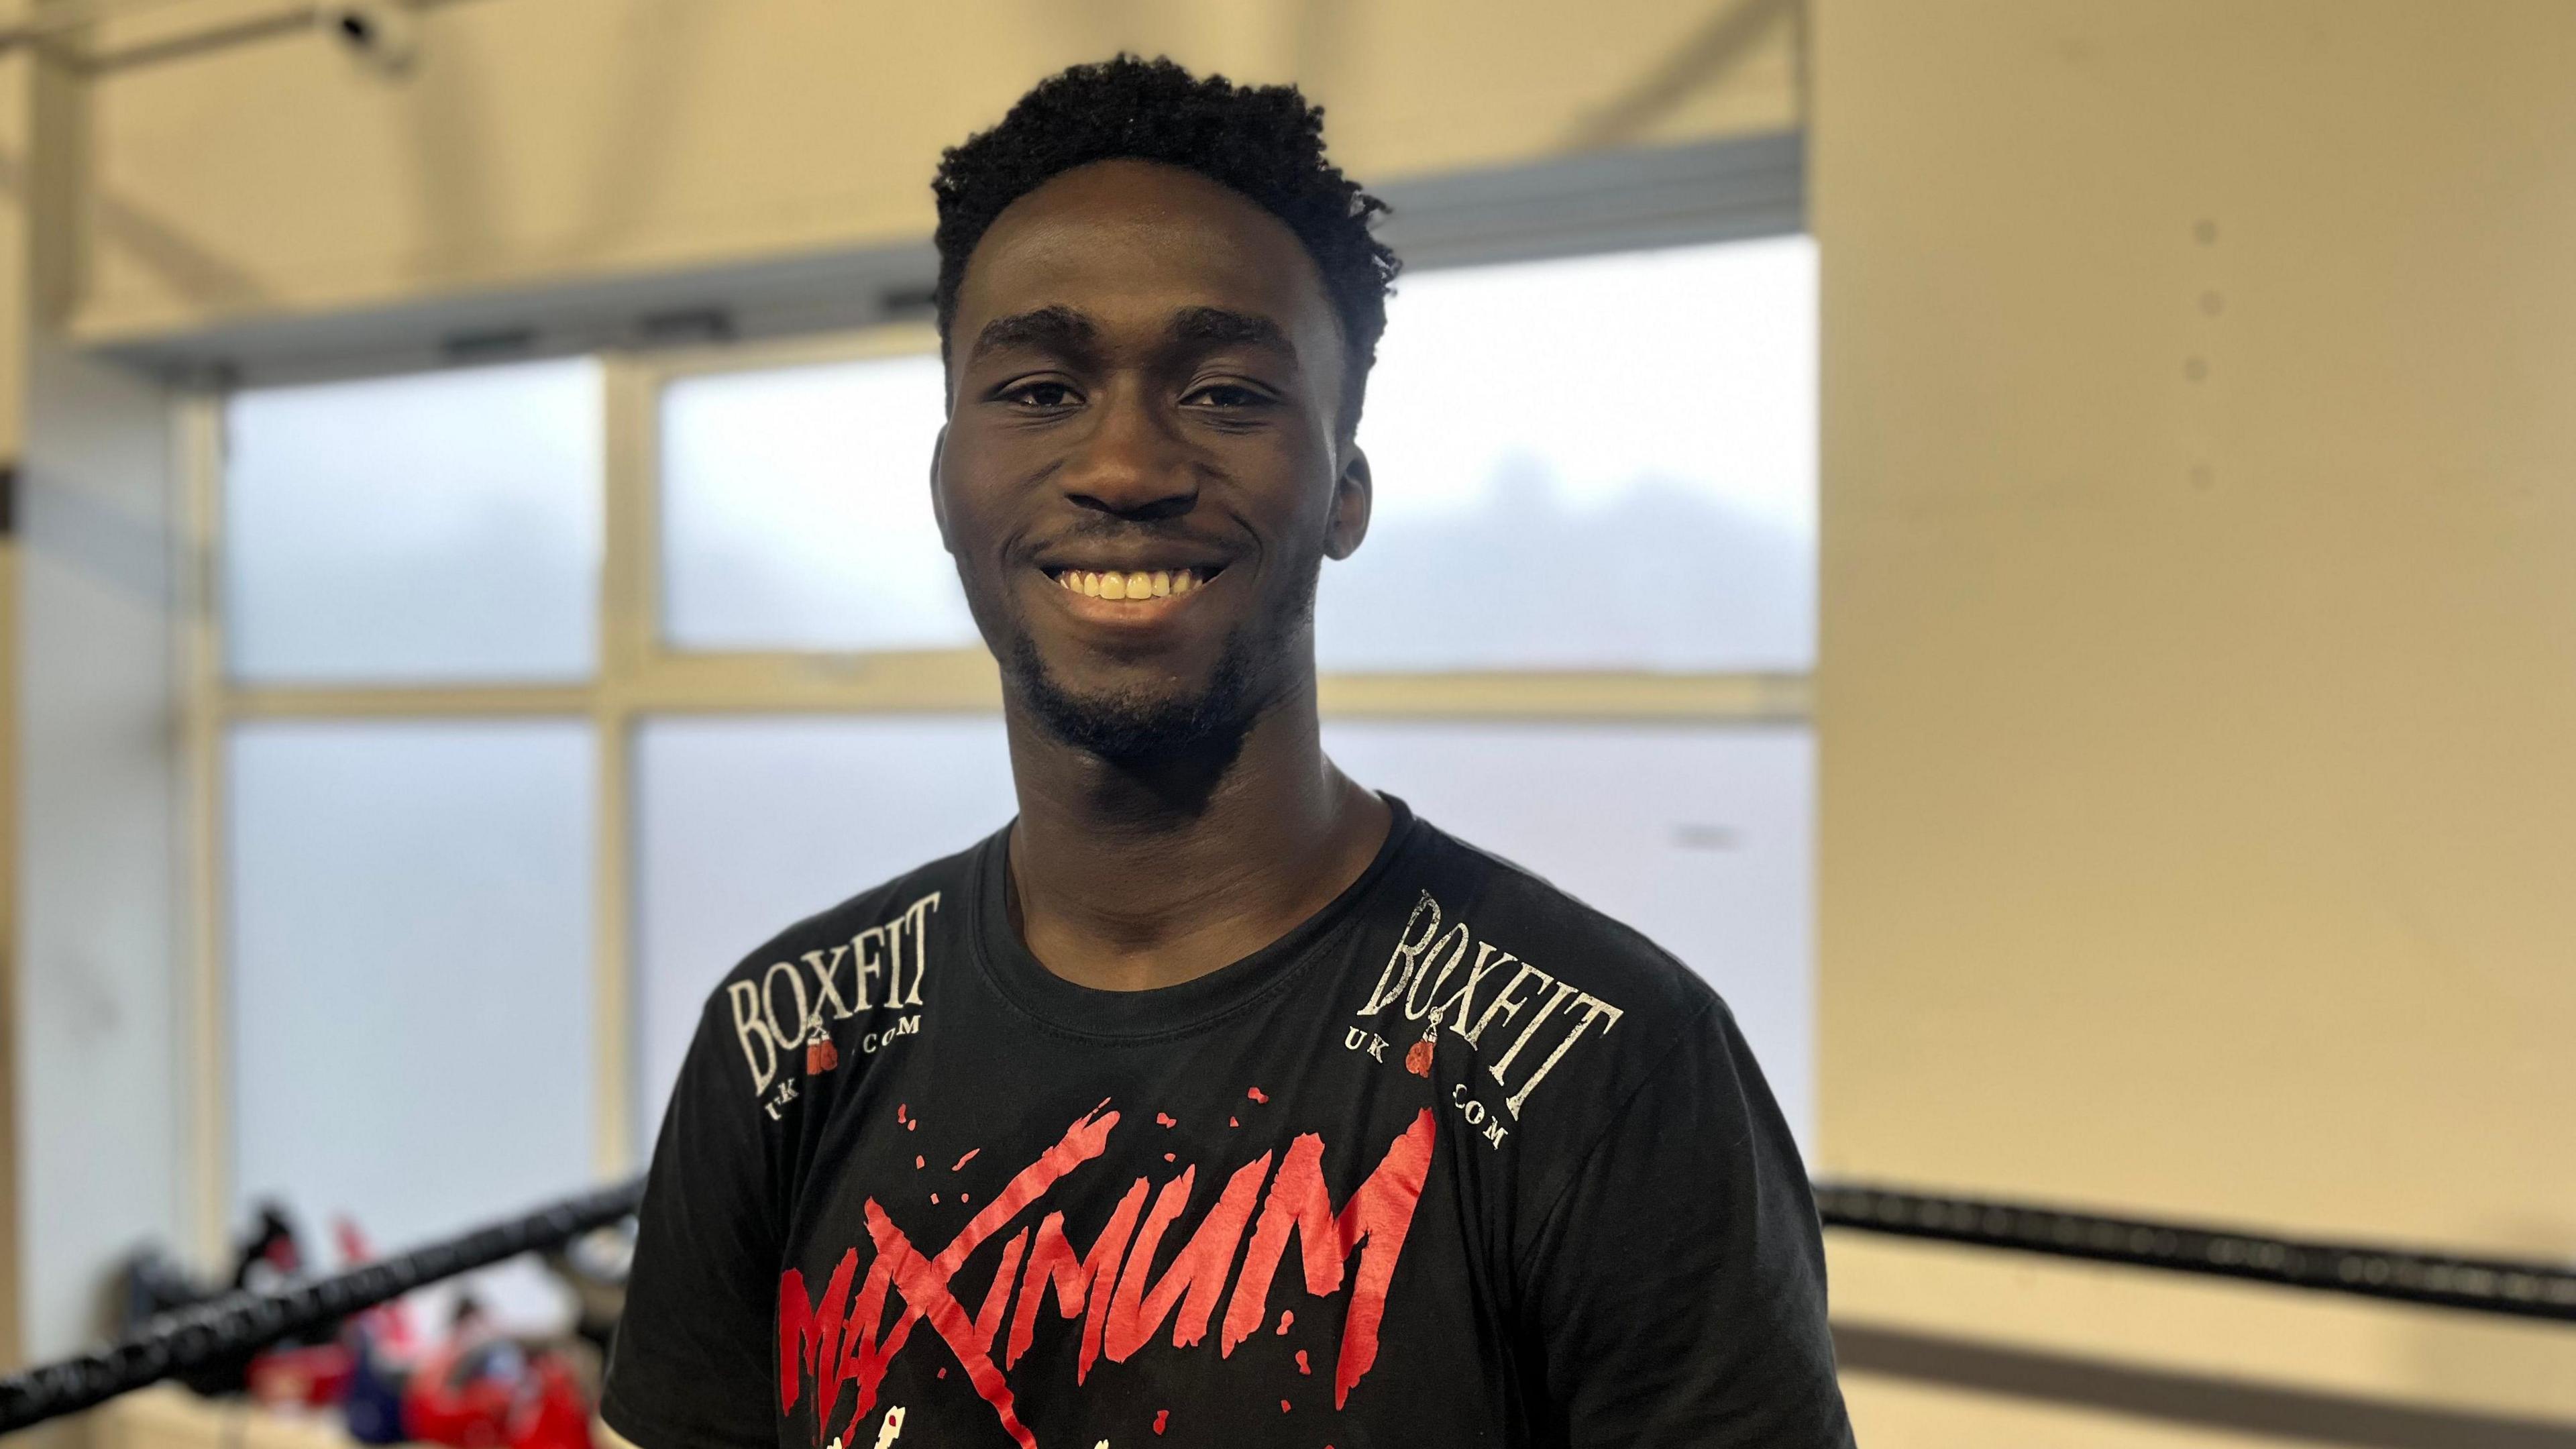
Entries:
{"x":1111,"y":1285}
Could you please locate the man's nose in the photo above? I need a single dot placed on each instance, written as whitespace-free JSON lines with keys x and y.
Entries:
{"x":1131,"y":463}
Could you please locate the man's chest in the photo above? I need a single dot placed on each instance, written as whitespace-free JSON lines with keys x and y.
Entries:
{"x":1015,"y":1238}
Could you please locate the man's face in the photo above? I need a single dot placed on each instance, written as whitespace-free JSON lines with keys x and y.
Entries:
{"x":1143,"y":468}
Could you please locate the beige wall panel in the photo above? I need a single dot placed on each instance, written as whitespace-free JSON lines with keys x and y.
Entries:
{"x":2199,"y":600}
{"x":1892,"y":1413}
{"x":2208,"y":1328}
{"x":537,"y":140}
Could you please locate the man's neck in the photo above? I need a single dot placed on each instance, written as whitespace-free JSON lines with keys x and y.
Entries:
{"x":1129,"y":876}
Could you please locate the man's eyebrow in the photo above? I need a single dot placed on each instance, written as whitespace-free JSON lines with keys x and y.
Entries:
{"x":1219,"y":327}
{"x":1048,"y":329}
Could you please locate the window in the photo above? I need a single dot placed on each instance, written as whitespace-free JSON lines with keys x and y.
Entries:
{"x":1600,"y":463}
{"x":412,"y":1039}
{"x":550,"y":690}
{"x":796,"y":510}
{"x":416,"y":530}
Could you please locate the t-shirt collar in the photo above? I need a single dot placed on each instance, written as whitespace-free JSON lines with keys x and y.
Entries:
{"x":1165,"y":1011}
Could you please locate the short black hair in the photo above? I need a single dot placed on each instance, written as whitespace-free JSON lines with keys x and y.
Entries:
{"x":1264,"y":142}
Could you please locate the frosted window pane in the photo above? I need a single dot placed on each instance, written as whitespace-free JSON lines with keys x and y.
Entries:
{"x":796,"y":511}
{"x":1696,"y":836}
{"x":410,"y":967}
{"x":1601,"y":463}
{"x":436,"y":527}
{"x":746,"y":826}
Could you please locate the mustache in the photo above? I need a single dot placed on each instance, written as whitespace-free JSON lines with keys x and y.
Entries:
{"x":1110,"y":529}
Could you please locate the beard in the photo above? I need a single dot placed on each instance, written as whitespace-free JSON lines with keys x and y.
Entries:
{"x":1136,"y":725}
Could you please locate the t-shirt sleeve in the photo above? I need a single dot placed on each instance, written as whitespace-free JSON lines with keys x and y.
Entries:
{"x":1676,"y":1292}
{"x":691,"y":1365}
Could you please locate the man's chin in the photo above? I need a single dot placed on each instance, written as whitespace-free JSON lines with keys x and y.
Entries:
{"x":1136,"y":723}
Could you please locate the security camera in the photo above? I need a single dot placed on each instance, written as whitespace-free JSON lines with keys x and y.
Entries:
{"x":382,"y":33}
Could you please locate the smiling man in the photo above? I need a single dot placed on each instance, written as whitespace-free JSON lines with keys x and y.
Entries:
{"x":1216,"y":1096}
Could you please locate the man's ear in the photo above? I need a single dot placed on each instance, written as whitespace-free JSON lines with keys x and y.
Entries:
{"x":1352,"y":494}
{"x":938,"y":497}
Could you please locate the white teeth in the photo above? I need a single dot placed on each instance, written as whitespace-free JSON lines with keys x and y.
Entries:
{"x":1159,"y":584}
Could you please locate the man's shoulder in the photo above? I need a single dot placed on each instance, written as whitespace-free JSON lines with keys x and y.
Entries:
{"x":886,"y":913}
{"x":1555,"y":1012}
{"x":1521,"y":911}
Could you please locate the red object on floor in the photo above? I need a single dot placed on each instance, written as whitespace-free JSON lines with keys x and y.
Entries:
{"x":493,"y":1395}
{"x":308,"y":1376}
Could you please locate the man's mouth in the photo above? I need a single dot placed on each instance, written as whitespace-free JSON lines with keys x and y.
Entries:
{"x":1132,"y":583}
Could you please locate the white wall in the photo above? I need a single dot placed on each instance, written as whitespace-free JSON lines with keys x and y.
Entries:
{"x":100,"y":1053}
{"x":536,"y":142}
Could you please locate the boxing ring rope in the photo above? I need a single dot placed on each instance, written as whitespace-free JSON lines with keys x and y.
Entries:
{"x":238,"y":1323}
{"x":2479,"y":1285}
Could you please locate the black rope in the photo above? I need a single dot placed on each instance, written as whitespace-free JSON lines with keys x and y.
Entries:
{"x":2483,"y":1285}
{"x":237,"y":1323}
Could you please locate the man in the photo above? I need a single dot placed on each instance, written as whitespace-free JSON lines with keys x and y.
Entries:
{"x":1215,"y":1097}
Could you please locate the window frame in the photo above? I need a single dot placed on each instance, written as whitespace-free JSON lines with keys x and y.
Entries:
{"x":637,"y":676}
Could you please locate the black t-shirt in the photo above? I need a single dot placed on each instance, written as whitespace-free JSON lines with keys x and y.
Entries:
{"x":1456,"y":1161}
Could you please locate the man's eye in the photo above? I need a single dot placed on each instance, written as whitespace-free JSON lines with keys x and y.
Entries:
{"x":1226,"y":395}
{"x":1041,"y":395}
